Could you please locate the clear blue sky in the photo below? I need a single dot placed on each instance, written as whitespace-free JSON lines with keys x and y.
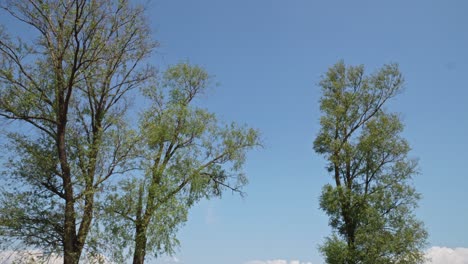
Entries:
{"x":268,"y":56}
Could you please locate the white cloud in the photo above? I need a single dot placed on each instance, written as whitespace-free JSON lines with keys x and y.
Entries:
{"x":434,"y":255}
{"x":444,"y":255}
{"x":34,"y":256}
{"x":276,"y":261}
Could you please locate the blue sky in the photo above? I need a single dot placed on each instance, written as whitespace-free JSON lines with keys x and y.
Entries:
{"x":268,"y":56}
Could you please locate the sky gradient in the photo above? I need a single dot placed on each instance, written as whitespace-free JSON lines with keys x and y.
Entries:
{"x":267,"y":57}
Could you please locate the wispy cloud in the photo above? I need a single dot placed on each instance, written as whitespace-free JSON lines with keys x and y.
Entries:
{"x":210,"y":215}
{"x":445,"y":255}
{"x":169,"y":260}
{"x":434,"y":255}
{"x":276,"y":261}
{"x":36,"y":256}
{"x":9,"y":257}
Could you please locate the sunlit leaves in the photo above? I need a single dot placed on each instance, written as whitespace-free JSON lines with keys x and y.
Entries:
{"x":186,"y":155}
{"x":370,"y":204}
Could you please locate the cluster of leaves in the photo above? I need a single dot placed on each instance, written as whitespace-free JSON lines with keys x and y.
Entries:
{"x":186,"y":155}
{"x":371,"y":201}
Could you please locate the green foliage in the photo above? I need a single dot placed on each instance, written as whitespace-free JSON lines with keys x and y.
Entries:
{"x":66,"y":89}
{"x":370,"y":204}
{"x":28,"y":211}
{"x":186,"y":155}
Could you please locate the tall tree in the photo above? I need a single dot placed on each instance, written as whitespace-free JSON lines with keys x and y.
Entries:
{"x":371,"y":200}
{"x":66,"y":89}
{"x":187,"y":155}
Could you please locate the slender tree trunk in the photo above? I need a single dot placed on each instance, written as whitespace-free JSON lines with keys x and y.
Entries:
{"x":346,"y":207}
{"x":69,"y":236}
{"x":140,"y":244}
{"x":71,"y":254}
{"x":140,"y":231}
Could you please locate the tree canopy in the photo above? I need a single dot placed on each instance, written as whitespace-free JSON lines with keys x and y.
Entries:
{"x":66,"y":86}
{"x":68,"y":92}
{"x":371,"y":201}
{"x":186,"y":154}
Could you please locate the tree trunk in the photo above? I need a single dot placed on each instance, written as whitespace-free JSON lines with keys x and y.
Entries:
{"x":71,"y":253}
{"x":140,"y":244}
{"x":69,"y":237}
{"x":71,"y":257}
